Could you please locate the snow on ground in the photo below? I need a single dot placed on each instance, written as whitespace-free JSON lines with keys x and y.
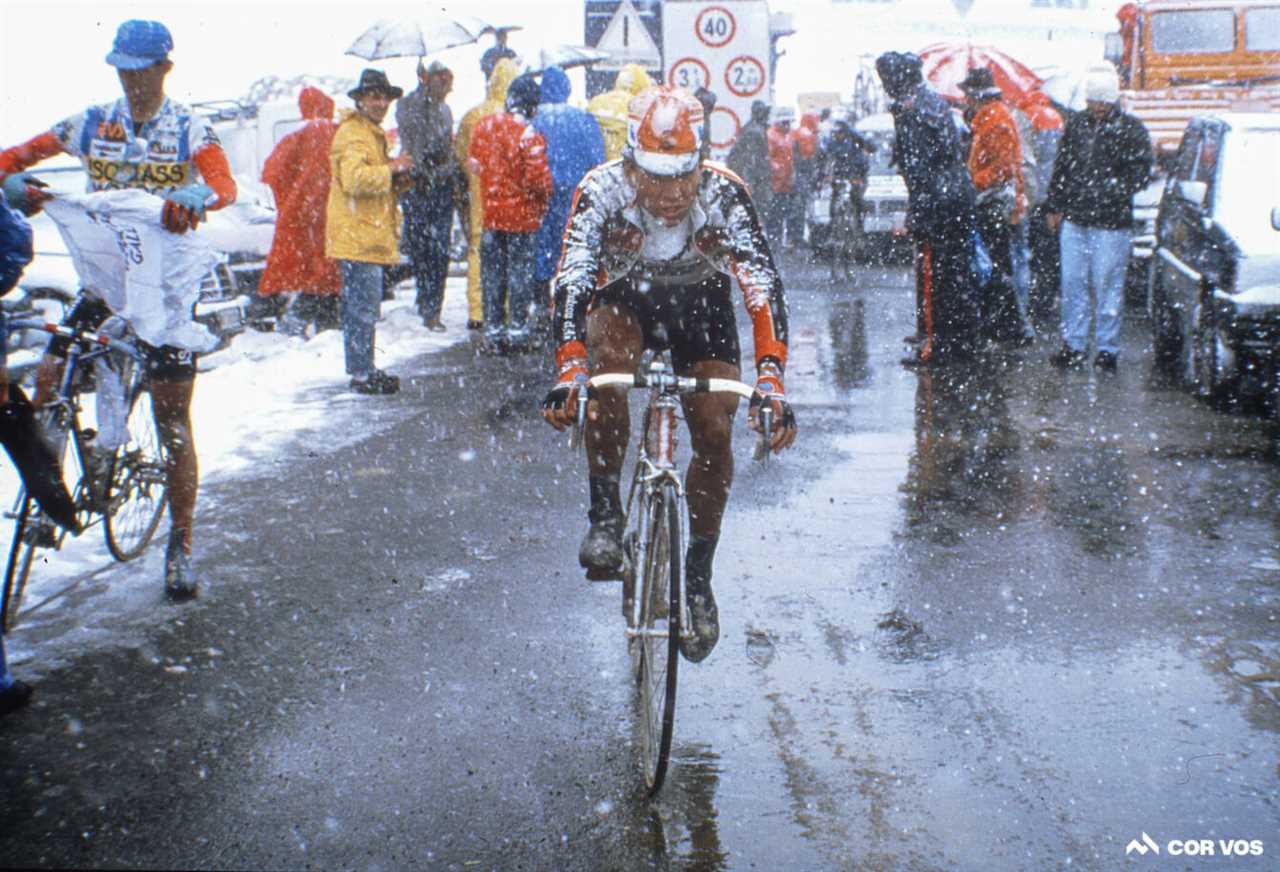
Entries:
{"x":263,"y":397}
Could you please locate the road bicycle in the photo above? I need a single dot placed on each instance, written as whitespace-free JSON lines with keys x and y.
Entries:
{"x":653,"y":598}
{"x":129,"y":499}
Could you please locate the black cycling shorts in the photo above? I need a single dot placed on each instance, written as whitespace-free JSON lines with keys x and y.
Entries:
{"x":696,"y":322}
{"x":166,"y":363}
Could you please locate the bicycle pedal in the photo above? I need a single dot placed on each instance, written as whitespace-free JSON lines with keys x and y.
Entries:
{"x":42,"y":535}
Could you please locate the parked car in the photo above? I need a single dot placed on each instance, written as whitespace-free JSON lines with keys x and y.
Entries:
{"x":241,"y":232}
{"x":1214,"y":289}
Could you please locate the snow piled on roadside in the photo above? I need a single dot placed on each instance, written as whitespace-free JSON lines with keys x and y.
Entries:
{"x":258,"y":399}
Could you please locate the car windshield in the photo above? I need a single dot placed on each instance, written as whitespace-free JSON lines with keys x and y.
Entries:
{"x":1196,"y":32}
{"x":1249,"y":188}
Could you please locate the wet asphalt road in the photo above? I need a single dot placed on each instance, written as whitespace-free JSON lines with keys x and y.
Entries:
{"x":993,"y":618}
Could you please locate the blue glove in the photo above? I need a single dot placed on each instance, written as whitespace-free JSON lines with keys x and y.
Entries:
{"x":184,"y":208}
{"x":22,"y":192}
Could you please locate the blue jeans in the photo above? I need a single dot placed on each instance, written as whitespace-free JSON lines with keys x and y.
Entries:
{"x":1021,"y":251}
{"x":428,"y":219}
{"x":506,"y":282}
{"x":361,"y":306}
{"x":1093,"y":257}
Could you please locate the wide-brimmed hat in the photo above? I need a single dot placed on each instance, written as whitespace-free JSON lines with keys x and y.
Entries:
{"x":373,"y":81}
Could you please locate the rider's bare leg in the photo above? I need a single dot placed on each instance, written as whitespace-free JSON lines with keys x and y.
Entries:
{"x":171,"y":404}
{"x":615,"y":342}
{"x":710,"y":473}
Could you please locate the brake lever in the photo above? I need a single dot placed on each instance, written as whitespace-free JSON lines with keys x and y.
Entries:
{"x":580,"y":422}
{"x":761,"y":453}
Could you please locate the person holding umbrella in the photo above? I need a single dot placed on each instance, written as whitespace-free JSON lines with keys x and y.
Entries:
{"x":362,"y":222}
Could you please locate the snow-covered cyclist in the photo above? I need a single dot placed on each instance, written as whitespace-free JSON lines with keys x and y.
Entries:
{"x":651,"y":244}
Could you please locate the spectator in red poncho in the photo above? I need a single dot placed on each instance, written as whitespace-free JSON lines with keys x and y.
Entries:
{"x":782,"y":164}
{"x":297,"y":172}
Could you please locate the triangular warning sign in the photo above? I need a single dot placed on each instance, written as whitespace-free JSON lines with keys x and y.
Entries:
{"x":627,"y":40}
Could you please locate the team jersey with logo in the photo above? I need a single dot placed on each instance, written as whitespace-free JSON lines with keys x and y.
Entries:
{"x":158,"y":157}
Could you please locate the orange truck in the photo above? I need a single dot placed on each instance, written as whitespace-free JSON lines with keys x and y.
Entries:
{"x":1182,"y":58}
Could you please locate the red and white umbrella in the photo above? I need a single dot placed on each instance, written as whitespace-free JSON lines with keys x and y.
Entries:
{"x":946,"y":64}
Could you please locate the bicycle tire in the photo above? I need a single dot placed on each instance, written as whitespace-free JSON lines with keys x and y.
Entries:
{"x":138,"y":483}
{"x":18,"y":568}
{"x":660,"y":655}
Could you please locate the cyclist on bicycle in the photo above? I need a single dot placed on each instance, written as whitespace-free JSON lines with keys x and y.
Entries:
{"x":142,"y":140}
{"x":847,"y":162}
{"x":651,"y":243}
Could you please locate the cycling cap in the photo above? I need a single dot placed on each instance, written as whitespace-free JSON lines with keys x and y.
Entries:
{"x":139,"y":44}
{"x":664,"y":131}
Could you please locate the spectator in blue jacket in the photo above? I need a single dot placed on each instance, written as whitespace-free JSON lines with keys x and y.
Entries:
{"x":574,"y":146}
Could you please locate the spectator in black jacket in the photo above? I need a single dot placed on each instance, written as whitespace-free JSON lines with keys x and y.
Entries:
{"x":1105,"y":158}
{"x":929,"y":152}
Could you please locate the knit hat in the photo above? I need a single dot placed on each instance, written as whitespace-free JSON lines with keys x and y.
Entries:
{"x":523,"y":95}
{"x":900,"y":73}
{"x":1102,"y":85}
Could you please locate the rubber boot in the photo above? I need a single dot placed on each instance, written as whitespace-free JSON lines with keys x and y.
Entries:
{"x":704,"y":617}
{"x":601,"y":550}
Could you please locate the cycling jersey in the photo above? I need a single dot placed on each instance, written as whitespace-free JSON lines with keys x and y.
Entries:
{"x":173,"y":149}
{"x":609,"y":238}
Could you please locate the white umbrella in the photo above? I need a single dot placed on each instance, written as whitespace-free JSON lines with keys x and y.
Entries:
{"x":418,"y":37}
{"x":565,"y":56}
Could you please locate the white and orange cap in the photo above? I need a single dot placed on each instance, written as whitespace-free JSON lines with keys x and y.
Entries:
{"x":664,"y":131}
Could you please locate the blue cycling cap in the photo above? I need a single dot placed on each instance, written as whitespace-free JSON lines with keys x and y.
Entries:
{"x":139,"y":44}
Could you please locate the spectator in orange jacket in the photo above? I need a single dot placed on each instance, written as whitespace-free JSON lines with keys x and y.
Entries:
{"x":297,"y":171}
{"x":782,"y":165}
{"x":804,"y":142}
{"x":510,"y":159}
{"x":995,"y":164}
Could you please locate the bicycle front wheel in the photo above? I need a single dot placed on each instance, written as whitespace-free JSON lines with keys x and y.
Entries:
{"x":139,"y":483}
{"x":18,"y":568}
{"x":659,"y":635}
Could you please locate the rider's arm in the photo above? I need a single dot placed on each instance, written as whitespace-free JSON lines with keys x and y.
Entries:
{"x":758,"y":277}
{"x":211,"y":161}
{"x":580,"y":265}
{"x":29,"y":153}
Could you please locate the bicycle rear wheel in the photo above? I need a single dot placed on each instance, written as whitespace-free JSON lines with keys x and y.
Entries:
{"x":660,"y":635}
{"x":18,"y":568}
{"x":139,"y":483}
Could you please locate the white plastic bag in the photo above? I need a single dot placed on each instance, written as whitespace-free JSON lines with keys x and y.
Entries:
{"x":145,"y":274}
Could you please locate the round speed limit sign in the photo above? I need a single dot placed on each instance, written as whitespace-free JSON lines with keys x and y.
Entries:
{"x":744,"y":76}
{"x":690,"y":74}
{"x":715,"y":26}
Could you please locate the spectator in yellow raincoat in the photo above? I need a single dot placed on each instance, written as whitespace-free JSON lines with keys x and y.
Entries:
{"x":610,"y":108}
{"x":495,"y":100}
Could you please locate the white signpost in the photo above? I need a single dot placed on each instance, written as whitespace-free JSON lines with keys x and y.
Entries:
{"x":723,"y":46}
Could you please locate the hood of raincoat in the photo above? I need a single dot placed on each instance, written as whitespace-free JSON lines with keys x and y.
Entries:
{"x":555,"y":85}
{"x":809,"y":121}
{"x":315,"y":103}
{"x":496,"y":88}
{"x":632,"y":78}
